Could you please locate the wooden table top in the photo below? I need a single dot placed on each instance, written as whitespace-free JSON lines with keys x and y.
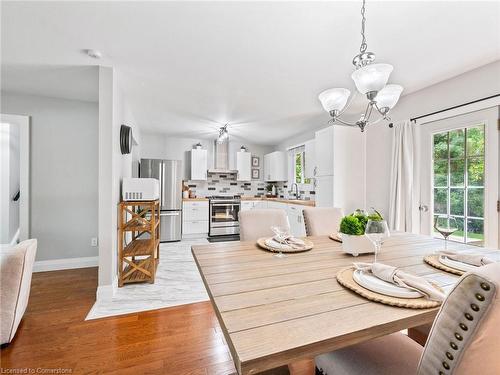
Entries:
{"x":274,"y":311}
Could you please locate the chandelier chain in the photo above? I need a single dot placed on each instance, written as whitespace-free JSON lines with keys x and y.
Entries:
{"x":363,"y":46}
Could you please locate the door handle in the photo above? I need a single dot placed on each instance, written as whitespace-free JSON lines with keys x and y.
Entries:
{"x":423,"y":208}
{"x":170,"y":214}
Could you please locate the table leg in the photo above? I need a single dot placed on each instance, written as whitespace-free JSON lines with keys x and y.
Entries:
{"x":302,"y":367}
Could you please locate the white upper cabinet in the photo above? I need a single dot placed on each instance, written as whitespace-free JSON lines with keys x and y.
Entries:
{"x":243,"y":165}
{"x":310,"y":159}
{"x":275,"y":166}
{"x":324,"y":144}
{"x":199,"y":166}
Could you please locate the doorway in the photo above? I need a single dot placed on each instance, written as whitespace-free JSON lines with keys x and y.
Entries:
{"x":14,"y":189}
{"x":459,"y":176}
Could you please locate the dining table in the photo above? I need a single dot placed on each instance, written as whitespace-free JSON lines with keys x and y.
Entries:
{"x":275,"y":311}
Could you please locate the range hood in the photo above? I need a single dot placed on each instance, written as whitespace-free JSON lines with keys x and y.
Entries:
{"x":221,"y":158}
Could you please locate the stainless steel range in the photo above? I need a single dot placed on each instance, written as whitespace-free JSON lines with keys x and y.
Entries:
{"x":223,"y":217}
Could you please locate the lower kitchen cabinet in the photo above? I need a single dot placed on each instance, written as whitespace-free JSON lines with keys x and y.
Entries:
{"x":296,"y":219}
{"x":194,"y":219}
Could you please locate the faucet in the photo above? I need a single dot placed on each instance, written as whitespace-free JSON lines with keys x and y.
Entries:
{"x":296,"y":190}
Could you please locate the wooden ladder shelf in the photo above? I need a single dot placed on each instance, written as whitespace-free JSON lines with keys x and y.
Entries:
{"x":138,"y":241}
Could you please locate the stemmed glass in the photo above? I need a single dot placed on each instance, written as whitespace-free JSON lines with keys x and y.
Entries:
{"x":446,"y":225}
{"x":281,"y":234}
{"x":377,"y":231}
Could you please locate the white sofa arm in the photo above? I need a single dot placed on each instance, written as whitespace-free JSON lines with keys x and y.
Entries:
{"x":15,"y":275}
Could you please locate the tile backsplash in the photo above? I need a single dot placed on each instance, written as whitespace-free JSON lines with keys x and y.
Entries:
{"x":226,"y":184}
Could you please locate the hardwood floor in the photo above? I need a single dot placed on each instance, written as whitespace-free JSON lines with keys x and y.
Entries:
{"x":53,"y":334}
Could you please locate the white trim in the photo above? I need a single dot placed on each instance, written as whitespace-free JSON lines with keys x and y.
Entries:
{"x":483,"y":104}
{"x":106,"y":292}
{"x":65,"y":264}
{"x":302,"y":144}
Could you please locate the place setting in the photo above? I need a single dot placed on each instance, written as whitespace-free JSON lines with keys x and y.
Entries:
{"x":283,"y":242}
{"x":455,"y":262}
{"x":387,"y":284}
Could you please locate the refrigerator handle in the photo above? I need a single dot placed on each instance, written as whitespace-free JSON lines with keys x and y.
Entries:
{"x":176,"y":213}
{"x":160,"y":173}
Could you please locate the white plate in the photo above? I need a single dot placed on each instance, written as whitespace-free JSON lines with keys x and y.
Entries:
{"x":377,"y":285}
{"x":271,"y":242}
{"x":457,"y":265}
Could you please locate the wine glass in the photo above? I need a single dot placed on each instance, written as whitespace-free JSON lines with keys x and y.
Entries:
{"x":446,"y":225}
{"x":377,"y":231}
{"x":281,"y":234}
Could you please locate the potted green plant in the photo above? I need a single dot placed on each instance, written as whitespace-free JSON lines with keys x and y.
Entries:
{"x":352,"y":229}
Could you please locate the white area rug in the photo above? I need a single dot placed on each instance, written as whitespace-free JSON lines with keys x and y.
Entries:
{"x":177,"y":282}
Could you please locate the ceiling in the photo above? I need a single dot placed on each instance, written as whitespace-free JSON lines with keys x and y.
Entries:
{"x":188,"y":67}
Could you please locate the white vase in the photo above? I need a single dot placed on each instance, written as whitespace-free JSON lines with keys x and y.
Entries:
{"x":356,"y":245}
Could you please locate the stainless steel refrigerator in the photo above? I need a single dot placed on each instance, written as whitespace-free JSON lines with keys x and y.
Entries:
{"x":169,"y":173}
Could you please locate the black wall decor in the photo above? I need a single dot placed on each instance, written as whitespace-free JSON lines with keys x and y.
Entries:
{"x":125,"y":139}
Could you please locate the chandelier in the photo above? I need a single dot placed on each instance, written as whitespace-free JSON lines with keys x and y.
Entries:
{"x":370,"y":80}
{"x":223,"y":134}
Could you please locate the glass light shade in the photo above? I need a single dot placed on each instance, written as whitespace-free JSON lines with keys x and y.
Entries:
{"x":388,"y":96}
{"x":334,"y":99}
{"x":371,"y":77}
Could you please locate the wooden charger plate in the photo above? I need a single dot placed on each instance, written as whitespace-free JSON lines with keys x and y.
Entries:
{"x":433,"y":260}
{"x":262,"y":243}
{"x":335,"y":237}
{"x":344,"y":277}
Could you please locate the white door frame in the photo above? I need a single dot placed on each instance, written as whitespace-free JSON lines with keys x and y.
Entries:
{"x":489,"y":117}
{"x":24,"y":164}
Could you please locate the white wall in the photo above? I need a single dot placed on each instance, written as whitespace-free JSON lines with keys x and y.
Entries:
{"x":473,"y":85}
{"x":160,"y":146}
{"x":113,"y":166}
{"x":63,"y":208}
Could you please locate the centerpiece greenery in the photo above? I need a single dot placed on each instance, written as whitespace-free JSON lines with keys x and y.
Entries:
{"x":352,"y":229}
{"x":355,"y":223}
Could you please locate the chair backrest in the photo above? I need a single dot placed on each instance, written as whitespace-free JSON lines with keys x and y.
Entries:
{"x":464,"y":338}
{"x":255,"y":224}
{"x":322,"y":221}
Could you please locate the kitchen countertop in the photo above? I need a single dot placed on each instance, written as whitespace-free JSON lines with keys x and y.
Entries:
{"x":309,"y":203}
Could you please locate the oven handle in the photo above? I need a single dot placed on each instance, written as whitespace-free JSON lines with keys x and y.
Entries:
{"x":225,"y":204}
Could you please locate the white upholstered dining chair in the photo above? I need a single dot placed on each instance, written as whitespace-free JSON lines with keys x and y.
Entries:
{"x":464,"y":338}
{"x":16,"y":269}
{"x":322,"y":221}
{"x":255,"y":224}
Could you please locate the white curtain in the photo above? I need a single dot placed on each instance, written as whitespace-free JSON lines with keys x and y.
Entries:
{"x":402,"y":177}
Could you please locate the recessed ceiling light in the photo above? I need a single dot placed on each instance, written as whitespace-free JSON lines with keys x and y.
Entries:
{"x":95,"y":54}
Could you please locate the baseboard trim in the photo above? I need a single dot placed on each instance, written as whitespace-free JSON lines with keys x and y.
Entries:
{"x":65,"y":264}
{"x":106,"y":292}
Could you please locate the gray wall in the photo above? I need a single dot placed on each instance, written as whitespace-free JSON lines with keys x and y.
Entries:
{"x":64,"y":161}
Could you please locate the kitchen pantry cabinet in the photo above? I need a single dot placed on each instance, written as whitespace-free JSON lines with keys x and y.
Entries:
{"x":195,"y":219}
{"x":275,"y":166}
{"x":243,"y":166}
{"x":199,"y":164}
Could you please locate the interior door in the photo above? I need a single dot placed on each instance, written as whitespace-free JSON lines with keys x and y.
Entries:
{"x":459,"y":176}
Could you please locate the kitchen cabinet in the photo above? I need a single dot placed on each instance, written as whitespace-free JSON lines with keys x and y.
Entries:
{"x":199,"y":164}
{"x":194,"y":219}
{"x":250,"y":205}
{"x":309,"y":159}
{"x":275,"y":166}
{"x":243,"y":166}
{"x":324,"y":145}
{"x":340,"y":168}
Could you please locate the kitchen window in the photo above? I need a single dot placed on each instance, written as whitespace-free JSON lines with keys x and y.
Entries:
{"x":299,"y":165}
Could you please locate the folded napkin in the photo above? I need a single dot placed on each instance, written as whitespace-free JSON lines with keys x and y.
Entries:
{"x":474,"y":259}
{"x":288,"y":242}
{"x":399,"y":277}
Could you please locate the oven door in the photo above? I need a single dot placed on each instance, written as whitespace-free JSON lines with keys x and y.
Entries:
{"x":224,"y":218}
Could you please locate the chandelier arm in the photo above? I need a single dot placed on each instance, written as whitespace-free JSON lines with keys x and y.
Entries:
{"x":343,"y":122}
{"x":348,"y":104}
